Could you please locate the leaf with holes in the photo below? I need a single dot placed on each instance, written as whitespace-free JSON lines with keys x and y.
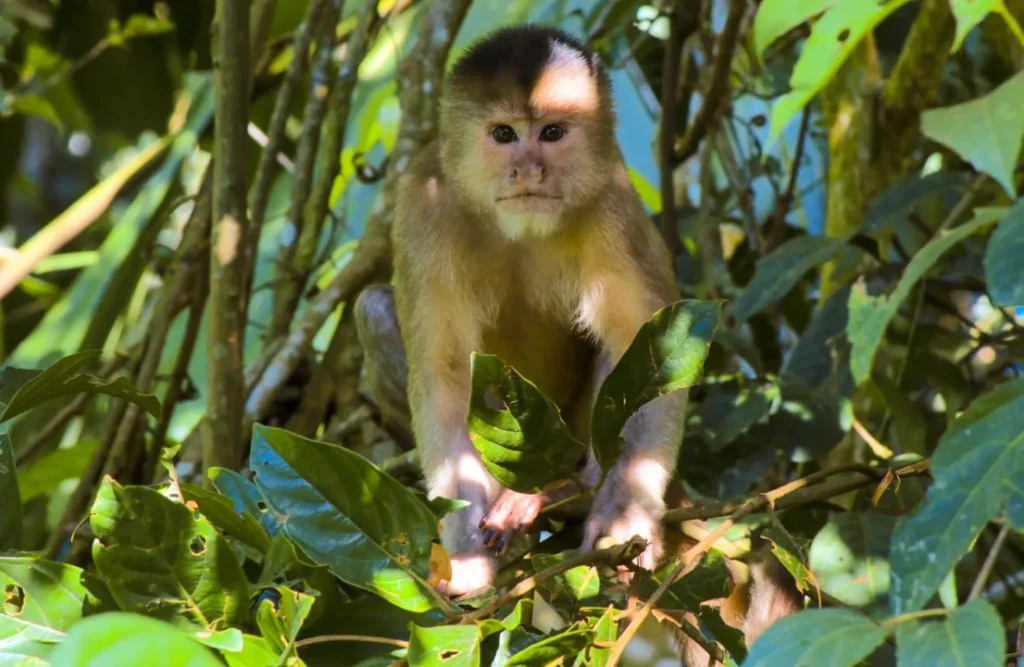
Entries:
{"x":526,"y":445}
{"x":41,"y":601}
{"x":833,"y":38}
{"x":10,"y":499}
{"x":280,"y":622}
{"x":987,"y":131}
{"x":343,"y":512}
{"x":870,"y":315}
{"x":63,"y":379}
{"x":970,"y":13}
{"x":444,"y":646}
{"x":160,"y":558}
{"x":223,"y":514}
{"x":777,"y":17}
{"x":972,"y":634}
{"x":979,"y":472}
{"x":833,"y":637}
{"x":245,"y":496}
{"x":1003,"y":259}
{"x":119,"y":639}
{"x":666,"y":355}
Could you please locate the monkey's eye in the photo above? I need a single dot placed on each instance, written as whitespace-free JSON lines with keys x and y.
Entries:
{"x":503,"y":134}
{"x":552,"y":133}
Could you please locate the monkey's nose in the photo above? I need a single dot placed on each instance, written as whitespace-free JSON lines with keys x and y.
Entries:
{"x":532,"y":174}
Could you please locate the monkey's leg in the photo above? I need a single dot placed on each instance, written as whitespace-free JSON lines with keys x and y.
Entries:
{"x":384,"y":357}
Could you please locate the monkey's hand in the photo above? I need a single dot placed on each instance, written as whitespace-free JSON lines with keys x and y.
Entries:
{"x":510,"y":513}
{"x":619,"y":512}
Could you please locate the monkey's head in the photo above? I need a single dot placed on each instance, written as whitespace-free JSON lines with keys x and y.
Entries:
{"x":527,"y":129}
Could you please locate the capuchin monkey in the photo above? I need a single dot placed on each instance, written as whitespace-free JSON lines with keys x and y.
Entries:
{"x":519,"y":233}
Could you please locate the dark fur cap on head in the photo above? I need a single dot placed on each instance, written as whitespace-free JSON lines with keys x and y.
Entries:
{"x":515,"y":57}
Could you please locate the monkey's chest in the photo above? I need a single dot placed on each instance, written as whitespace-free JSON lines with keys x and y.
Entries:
{"x":541,"y":347}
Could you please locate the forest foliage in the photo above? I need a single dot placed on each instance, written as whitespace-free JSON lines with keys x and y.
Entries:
{"x":192,"y":470}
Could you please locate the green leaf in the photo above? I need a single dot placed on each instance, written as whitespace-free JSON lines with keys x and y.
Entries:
{"x":833,"y":38}
{"x":970,"y":13}
{"x":777,"y":17}
{"x":118,"y":639}
{"x":972,"y":634}
{"x":833,"y":637}
{"x":223,"y":514}
{"x":23,"y":643}
{"x":345,"y":513}
{"x":526,"y":445}
{"x":245,"y":496}
{"x":547,"y":651}
{"x":894,"y":203}
{"x":909,"y":427}
{"x":850,"y":558}
{"x":161,"y":559}
{"x":255,"y":652}
{"x":444,"y":646}
{"x":10,"y":500}
{"x":49,"y":470}
{"x":870,"y":315}
{"x":605,"y":630}
{"x":791,"y":552}
{"x":812,"y":362}
{"x":978,"y":469}
{"x":519,"y":616}
{"x":738,"y":412}
{"x":1003,"y":259}
{"x":47,"y":594}
{"x":141,"y":25}
{"x":63,"y":379}
{"x":567,"y":590}
{"x":779,"y":272}
{"x":280,"y":624}
{"x":708,"y":580}
{"x":986,"y":131}
{"x":666,"y":355}
{"x":38,"y":106}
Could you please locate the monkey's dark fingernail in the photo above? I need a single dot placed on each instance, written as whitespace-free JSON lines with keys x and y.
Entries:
{"x":489,"y":537}
{"x":500,"y":546}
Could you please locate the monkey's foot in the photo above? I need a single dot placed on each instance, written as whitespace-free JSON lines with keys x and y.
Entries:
{"x":510,"y":513}
{"x":469,"y":574}
{"x":619,"y":527}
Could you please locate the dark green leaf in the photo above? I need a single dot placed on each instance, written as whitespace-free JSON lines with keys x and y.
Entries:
{"x":49,"y":470}
{"x":519,"y":616}
{"x":979,"y":470}
{"x":748,"y":407}
{"x":971,"y":635}
{"x":791,"y":551}
{"x":833,"y":637}
{"x":894,"y":203}
{"x":224,"y":515}
{"x":870,"y":315}
{"x":63,"y":379}
{"x":985,"y":131}
{"x":779,"y":272}
{"x":909,"y":428}
{"x":444,"y":646}
{"x":245,"y":496}
{"x":526,"y":445}
{"x":161,"y":559}
{"x":812,"y":361}
{"x":10,"y":500}
{"x":118,"y":639}
{"x":708,"y":580}
{"x":666,"y":355}
{"x":570,"y":641}
{"x":1003,"y":259}
{"x":345,"y":513}
{"x":281,"y":625}
{"x":850,"y":557}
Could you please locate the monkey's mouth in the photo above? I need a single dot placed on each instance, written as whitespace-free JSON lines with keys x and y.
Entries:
{"x":527,"y":195}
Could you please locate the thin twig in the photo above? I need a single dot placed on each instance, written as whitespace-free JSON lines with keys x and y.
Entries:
{"x":990,"y":561}
{"x":368,"y":639}
{"x":785,"y":202}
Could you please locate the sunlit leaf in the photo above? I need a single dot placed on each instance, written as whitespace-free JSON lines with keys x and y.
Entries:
{"x":833,"y":637}
{"x":850,"y":558}
{"x":345,"y":513}
{"x":280,"y":623}
{"x":162,"y":559}
{"x":870,"y":315}
{"x":777,"y":17}
{"x":444,"y":646}
{"x":986,"y":131}
{"x":547,"y":651}
{"x":118,"y":639}
{"x":46,"y":594}
{"x":666,"y":355}
{"x":979,"y":471}
{"x":49,"y":470}
{"x":970,"y":13}
{"x":526,"y":445}
{"x":1003,"y":259}
{"x":972,"y":634}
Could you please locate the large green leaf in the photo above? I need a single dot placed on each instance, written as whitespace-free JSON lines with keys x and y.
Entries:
{"x":666,"y":355}
{"x":444,"y":646}
{"x":972,"y":635}
{"x":979,"y":471}
{"x":833,"y":637}
{"x":118,"y":639}
{"x":833,"y":38}
{"x":63,"y":379}
{"x":970,"y":13}
{"x":224,"y":515}
{"x":345,"y":513}
{"x":558,"y":646}
{"x":47,"y":594}
{"x":777,"y":17}
{"x":24,"y":643}
{"x":1003,"y":259}
{"x":779,"y":272}
{"x":10,"y":500}
{"x":526,"y":445}
{"x":161,"y":559}
{"x":850,"y":558}
{"x":870,"y":315}
{"x":245,"y":496}
{"x":986,"y":131}
{"x":49,"y":470}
